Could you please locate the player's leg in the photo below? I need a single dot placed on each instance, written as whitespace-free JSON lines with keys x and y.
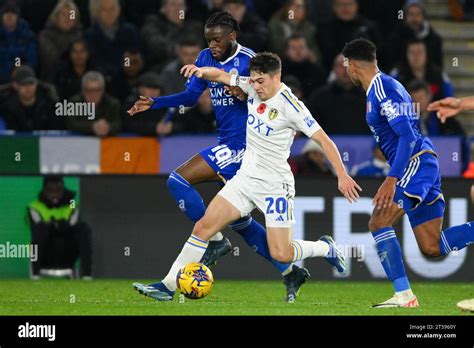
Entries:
{"x":388,"y":247}
{"x":284,"y":249}
{"x":218,"y":215}
{"x":180,"y":184}
{"x":203,"y":167}
{"x":427,"y":219}
{"x":432,"y":240}
{"x":181,"y":181}
{"x":255,"y":235}
{"x":412,"y":189}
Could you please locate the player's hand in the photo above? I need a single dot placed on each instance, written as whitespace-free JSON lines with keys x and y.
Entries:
{"x":190,"y":70}
{"x":142,"y":104}
{"x":164,"y":127}
{"x":348,"y":188}
{"x":236,"y":92}
{"x":445,"y":108}
{"x":385,"y":193}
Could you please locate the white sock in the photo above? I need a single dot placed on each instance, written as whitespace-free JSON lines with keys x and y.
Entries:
{"x":193,"y":250}
{"x":405,"y":293}
{"x":217,"y":237}
{"x":304,"y":249}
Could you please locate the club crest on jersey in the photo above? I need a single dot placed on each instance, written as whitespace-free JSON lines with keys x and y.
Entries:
{"x":273,"y":114}
{"x":261,"y":108}
{"x":233,"y":71}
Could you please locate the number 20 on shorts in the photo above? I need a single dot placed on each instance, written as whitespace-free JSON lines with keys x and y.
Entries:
{"x":279,"y":205}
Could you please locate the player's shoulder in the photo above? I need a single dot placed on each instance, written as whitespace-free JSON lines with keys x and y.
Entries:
{"x":385,"y":86}
{"x":289,"y":101}
{"x":205,"y":56}
{"x":246,"y":52}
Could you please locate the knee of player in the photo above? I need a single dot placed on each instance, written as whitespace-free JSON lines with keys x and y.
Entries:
{"x":430,"y":250}
{"x":280,"y":255}
{"x":175,"y":181}
{"x":376,"y":223}
{"x":201,"y":229}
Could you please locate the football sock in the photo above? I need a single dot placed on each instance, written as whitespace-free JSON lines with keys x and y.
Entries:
{"x":303,"y":249}
{"x":255,"y":236}
{"x":456,"y":238}
{"x":192,"y":251}
{"x":188,"y":199}
{"x":390,"y":255}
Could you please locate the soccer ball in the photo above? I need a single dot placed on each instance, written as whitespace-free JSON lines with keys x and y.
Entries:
{"x":194,"y":280}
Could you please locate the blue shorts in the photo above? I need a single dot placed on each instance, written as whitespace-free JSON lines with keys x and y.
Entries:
{"x":225,"y":159}
{"x":418,"y":192}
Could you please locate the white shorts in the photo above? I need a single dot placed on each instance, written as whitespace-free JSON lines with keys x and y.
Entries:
{"x":274,"y":199}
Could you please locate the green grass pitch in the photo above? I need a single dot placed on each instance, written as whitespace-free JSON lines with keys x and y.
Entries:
{"x":117,"y":297}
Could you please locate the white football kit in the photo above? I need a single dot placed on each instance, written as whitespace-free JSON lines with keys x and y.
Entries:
{"x":265,"y":179}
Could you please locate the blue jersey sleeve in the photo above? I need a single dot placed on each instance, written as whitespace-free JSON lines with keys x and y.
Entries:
{"x":395,"y":108}
{"x":194,"y":83}
{"x":194,"y":88}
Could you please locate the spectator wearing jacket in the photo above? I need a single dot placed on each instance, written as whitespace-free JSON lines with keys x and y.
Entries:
{"x":61,"y":30}
{"x":18,"y":45}
{"x":58,"y":232}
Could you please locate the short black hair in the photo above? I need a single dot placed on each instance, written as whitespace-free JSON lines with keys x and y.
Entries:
{"x":360,"y":49}
{"x":416,"y":85}
{"x":52,"y":178}
{"x":265,"y":63}
{"x":222,"y":18}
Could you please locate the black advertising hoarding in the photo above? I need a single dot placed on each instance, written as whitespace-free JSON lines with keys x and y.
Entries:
{"x":138,"y":230}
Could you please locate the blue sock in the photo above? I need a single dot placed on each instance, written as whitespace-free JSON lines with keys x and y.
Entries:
{"x":189,"y":200}
{"x":456,"y":238}
{"x":255,"y":236}
{"x":390,"y":255}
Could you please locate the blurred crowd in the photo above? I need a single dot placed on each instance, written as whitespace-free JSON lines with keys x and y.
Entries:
{"x":109,"y":52}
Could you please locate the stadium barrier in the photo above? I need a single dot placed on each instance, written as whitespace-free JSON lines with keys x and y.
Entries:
{"x":138,"y":229}
{"x":69,"y":154}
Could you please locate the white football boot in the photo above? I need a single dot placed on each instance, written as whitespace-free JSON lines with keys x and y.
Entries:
{"x":403,"y":299}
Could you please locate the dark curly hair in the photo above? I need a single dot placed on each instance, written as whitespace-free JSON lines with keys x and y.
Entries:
{"x":360,"y":49}
{"x":265,"y":63}
{"x":222,"y":18}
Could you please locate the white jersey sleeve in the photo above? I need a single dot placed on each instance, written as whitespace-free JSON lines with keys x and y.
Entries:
{"x":244,"y":83}
{"x":300,"y":119}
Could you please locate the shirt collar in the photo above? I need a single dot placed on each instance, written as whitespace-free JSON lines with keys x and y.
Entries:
{"x":372,"y":82}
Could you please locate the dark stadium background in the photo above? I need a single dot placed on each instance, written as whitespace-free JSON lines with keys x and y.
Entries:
{"x":127,"y":203}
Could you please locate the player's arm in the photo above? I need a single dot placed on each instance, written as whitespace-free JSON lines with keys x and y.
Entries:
{"x":187,"y":98}
{"x":401,"y":126}
{"x":346,"y":184}
{"x":206,"y":73}
{"x":449,"y":107}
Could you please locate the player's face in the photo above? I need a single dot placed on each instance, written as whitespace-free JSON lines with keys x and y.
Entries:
{"x":265,"y":85}
{"x":219,"y":39}
{"x":352,"y":72}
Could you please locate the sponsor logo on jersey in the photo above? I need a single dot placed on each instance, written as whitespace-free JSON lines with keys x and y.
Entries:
{"x":273,"y":114}
{"x":389,"y":110}
{"x":309,"y":121}
{"x":258,"y":125}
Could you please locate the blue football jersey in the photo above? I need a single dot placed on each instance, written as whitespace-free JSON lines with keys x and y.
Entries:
{"x":231,"y":113}
{"x":388,"y":103}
